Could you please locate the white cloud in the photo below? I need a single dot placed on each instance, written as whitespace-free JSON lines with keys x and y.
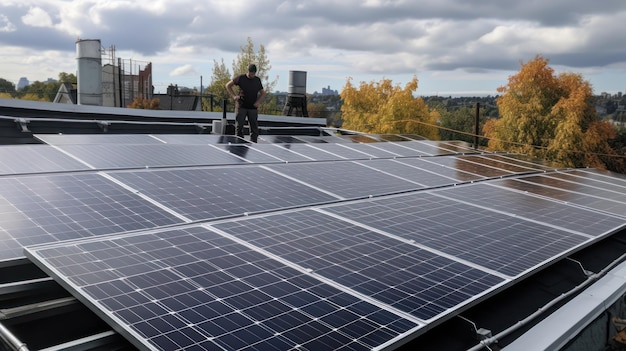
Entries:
{"x":362,"y":39}
{"x":185,"y":70}
{"x":5,"y":25}
{"x":37,"y":17}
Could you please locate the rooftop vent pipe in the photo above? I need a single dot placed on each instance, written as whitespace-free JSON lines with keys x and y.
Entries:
{"x":89,"y":57}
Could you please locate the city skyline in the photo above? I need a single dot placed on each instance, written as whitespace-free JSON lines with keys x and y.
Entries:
{"x":453,"y":48}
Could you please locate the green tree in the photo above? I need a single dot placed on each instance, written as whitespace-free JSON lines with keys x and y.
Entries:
{"x":459,"y":123}
{"x":7,"y":87}
{"x":216,"y":91}
{"x":382,"y":108}
{"x":551,"y":116}
{"x":39,"y":91}
{"x":247,"y":56}
{"x":65,"y":77}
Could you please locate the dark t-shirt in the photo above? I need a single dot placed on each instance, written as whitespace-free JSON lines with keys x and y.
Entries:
{"x":248,"y":90}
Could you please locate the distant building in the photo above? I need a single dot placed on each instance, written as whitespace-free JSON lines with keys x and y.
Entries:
{"x":176,"y":101}
{"x":67,"y":94}
{"x":22,"y":83}
{"x":329,"y":91}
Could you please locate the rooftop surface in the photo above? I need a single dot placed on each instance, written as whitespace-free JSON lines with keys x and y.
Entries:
{"x":309,"y":242}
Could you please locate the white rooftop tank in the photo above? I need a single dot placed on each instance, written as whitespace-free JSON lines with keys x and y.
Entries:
{"x":297,"y":83}
{"x":89,"y":57}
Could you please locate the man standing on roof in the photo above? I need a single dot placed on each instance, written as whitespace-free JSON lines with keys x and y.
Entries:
{"x":251,"y":95}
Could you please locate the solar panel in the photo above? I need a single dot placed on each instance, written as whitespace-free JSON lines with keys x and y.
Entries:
{"x":604,"y":176}
{"x":73,"y":139}
{"x":403,"y":149}
{"x":312,"y":152}
{"x":429,"y":148}
{"x":391,"y":271}
{"x":506,"y":166}
{"x":455,"y":146}
{"x":279,"y":139}
{"x":248,"y":154}
{"x":490,"y":239}
{"x":524,"y":205}
{"x":194,"y":289}
{"x":521,"y":162}
{"x":281,"y":153}
{"x":345,"y":179}
{"x":321,"y":139}
{"x":51,"y":208}
{"x":208,"y":193}
{"x":106,"y":156}
{"x":392,"y":137}
{"x":471,"y":164}
{"x":410,"y":172}
{"x":343,"y":150}
{"x":19,"y":159}
{"x":359,"y":138}
{"x":605,"y":186}
{"x":199,"y":139}
{"x":570,"y":192}
{"x":448,"y":171}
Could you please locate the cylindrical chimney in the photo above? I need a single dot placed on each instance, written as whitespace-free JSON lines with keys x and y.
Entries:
{"x":89,"y":57}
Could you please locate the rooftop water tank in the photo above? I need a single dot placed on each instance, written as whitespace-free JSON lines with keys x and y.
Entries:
{"x":297,"y":83}
{"x":89,"y":57}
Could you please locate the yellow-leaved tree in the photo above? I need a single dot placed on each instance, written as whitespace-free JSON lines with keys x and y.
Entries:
{"x":384,"y":108}
{"x":551,"y":117}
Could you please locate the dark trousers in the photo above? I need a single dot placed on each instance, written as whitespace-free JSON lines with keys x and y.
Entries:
{"x":240,"y":120}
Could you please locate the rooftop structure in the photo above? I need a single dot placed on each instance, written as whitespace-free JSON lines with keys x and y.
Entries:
{"x":322,"y":240}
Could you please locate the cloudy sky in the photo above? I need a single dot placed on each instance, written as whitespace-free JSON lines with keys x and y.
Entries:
{"x":454,"y":47}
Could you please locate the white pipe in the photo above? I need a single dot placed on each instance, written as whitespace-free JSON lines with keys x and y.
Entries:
{"x":11,"y":340}
{"x":485,"y":343}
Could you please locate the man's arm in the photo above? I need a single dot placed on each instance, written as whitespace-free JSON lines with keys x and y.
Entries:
{"x":229,"y":89}
{"x":259,"y":101}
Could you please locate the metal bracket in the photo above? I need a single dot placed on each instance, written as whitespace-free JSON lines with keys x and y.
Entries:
{"x":23,"y":124}
{"x":104,"y":126}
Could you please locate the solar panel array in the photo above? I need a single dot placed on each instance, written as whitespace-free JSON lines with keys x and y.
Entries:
{"x":206,"y":242}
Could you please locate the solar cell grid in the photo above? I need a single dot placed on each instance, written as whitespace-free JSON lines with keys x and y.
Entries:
{"x":572,"y":193}
{"x":343,"y":150}
{"x":470,"y":164}
{"x":36,"y":159}
{"x":413,"y":173}
{"x":50,"y":208}
{"x":314,"y":153}
{"x":535,"y":208}
{"x":371,"y":151}
{"x":249,"y":154}
{"x":403,"y":149}
{"x":496,"y":241}
{"x":113,"y":156}
{"x":427,"y":164}
{"x":521,"y":162}
{"x":218,"y":301}
{"x":321,"y":139}
{"x":208,"y":193}
{"x":604,"y":176}
{"x":428,"y":149}
{"x":68,"y":139}
{"x":613,"y":190}
{"x":346,"y":178}
{"x":495,"y":162}
{"x":199,"y":139}
{"x":398,"y":274}
{"x":281,"y":153}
